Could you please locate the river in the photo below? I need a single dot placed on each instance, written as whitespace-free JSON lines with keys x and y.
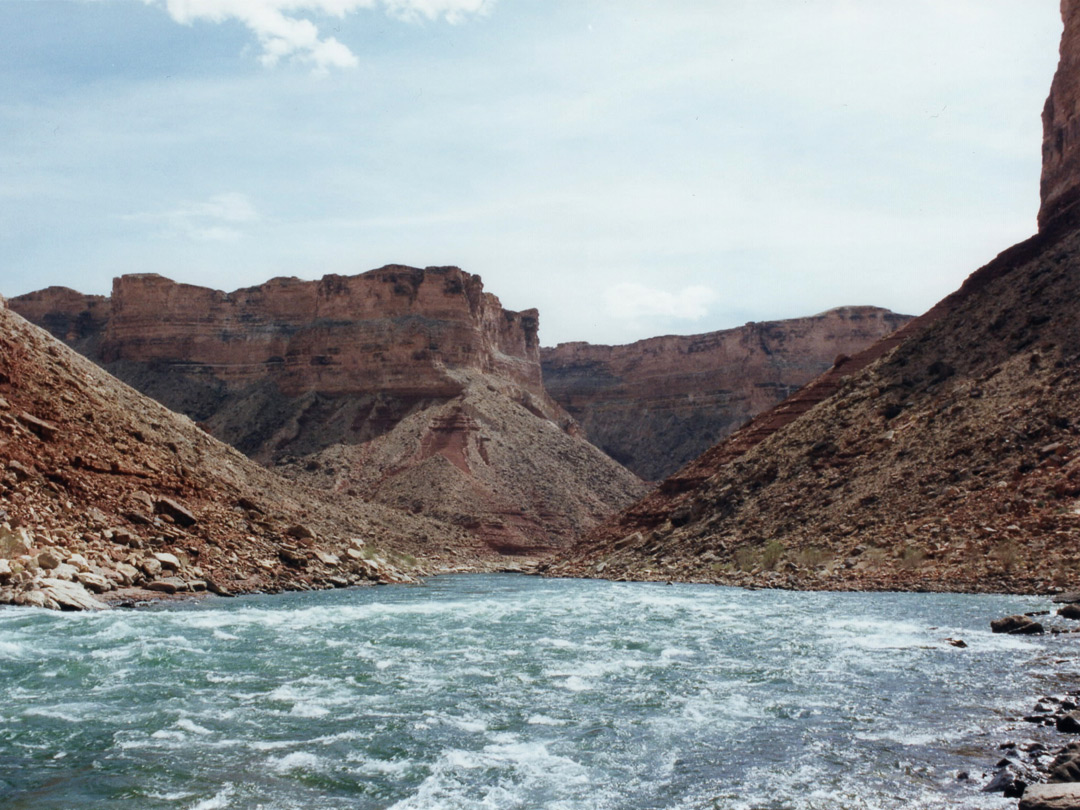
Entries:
{"x":504,"y":692}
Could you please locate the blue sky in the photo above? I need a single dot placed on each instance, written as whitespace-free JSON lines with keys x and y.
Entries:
{"x":629,"y":167}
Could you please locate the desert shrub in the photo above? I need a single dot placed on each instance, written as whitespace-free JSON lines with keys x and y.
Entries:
{"x":745,"y":558}
{"x":772,"y":554}
{"x":813,"y":557}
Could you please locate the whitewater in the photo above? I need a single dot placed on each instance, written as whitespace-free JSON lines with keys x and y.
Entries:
{"x":503,"y":692}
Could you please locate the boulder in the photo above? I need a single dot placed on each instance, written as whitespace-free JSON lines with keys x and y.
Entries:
{"x":65,"y":572}
{"x":293,"y":558}
{"x":1070,"y":611}
{"x":1069,"y":723}
{"x":169,"y":562}
{"x":162,"y":586}
{"x":14,"y":542}
{"x":93,"y":582}
{"x":46,"y":431}
{"x":1051,"y":797}
{"x":180,"y":515}
{"x":1016,"y":625}
{"x":1066,"y":598}
{"x":70,"y":595}
{"x":48,"y":560}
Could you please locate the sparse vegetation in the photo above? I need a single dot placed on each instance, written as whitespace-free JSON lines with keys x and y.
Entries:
{"x":813,"y":557}
{"x":772,"y":554}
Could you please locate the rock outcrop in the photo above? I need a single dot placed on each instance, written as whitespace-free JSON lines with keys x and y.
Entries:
{"x":656,"y":404}
{"x":103,"y":490}
{"x":945,"y":457}
{"x":290,"y":366}
{"x":412,"y":362}
{"x":1060,"y":183}
{"x":483,"y":462}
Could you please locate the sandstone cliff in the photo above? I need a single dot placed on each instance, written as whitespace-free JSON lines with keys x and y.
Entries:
{"x":656,"y":404}
{"x":103,"y":490}
{"x":293,"y":368}
{"x":947,"y":456}
{"x":1060,"y":183}
{"x":290,"y":366}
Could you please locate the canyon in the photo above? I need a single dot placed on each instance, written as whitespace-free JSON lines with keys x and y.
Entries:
{"x":404,"y":386}
{"x":656,"y":404}
{"x":106,"y":496}
{"x":945,"y":457}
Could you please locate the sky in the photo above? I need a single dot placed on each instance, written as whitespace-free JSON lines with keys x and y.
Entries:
{"x":630,"y":168}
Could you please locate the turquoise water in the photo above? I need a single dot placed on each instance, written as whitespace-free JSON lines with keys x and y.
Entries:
{"x":512,"y":692}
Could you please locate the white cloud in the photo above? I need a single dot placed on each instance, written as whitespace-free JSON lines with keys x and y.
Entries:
{"x":630,"y":300}
{"x":215,"y":220}
{"x":285,"y":32}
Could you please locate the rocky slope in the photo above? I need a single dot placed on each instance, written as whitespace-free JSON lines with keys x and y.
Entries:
{"x":421,"y":387}
{"x":483,"y":462}
{"x":945,"y":457}
{"x":656,"y":404}
{"x":103,"y":490}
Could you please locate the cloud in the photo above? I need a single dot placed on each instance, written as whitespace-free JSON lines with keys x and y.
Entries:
{"x":630,"y":301}
{"x":215,"y":220}
{"x":285,"y":31}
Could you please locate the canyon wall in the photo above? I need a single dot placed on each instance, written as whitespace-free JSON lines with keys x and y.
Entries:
{"x":944,"y":457}
{"x":349,"y":355}
{"x":409,"y":387}
{"x":656,"y":404}
{"x":1060,"y":184}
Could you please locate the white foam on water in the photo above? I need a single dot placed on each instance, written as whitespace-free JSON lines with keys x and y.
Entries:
{"x":574,"y":683}
{"x":188,"y":725}
{"x":308,"y":709}
{"x":20,"y":649}
{"x":544,"y":720}
{"x":514,"y":773}
{"x":221,"y":635}
{"x":68,"y":712}
{"x":296,"y":761}
{"x":219,"y":801}
{"x":473,"y":725}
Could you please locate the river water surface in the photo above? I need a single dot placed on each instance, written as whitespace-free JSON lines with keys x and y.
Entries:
{"x":509,"y":692}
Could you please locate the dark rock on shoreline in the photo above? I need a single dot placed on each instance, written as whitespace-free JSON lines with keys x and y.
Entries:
{"x":1017,"y":625}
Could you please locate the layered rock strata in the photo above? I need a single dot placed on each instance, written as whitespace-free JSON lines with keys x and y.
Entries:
{"x":400,"y":359}
{"x":945,"y":457}
{"x":656,"y":404}
{"x":290,"y":366}
{"x":103,"y":491}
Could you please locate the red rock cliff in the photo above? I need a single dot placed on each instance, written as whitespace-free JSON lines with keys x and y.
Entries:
{"x":656,"y":404}
{"x":394,"y":329}
{"x":291,"y":365}
{"x":1060,"y":185}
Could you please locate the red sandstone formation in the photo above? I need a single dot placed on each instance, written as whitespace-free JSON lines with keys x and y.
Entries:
{"x":251,"y":363}
{"x":368,"y":367}
{"x":656,"y":404}
{"x":103,"y":491}
{"x":946,"y":457}
{"x":1060,"y":186}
